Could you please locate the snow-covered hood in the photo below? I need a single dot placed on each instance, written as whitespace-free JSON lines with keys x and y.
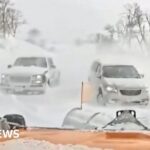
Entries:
{"x":26,"y":70}
{"x":125,"y":82}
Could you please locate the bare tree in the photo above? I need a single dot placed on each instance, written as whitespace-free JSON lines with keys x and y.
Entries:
{"x":34,"y":35}
{"x":111,"y":30}
{"x":14,"y":20}
{"x":34,"y":32}
{"x":147,"y":16}
{"x":139,"y":18}
{"x":10,"y":18}
{"x":129,"y":22}
{"x":132,"y":25}
{"x":3,"y":9}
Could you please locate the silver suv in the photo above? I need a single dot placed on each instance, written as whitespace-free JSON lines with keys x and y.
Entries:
{"x":118,"y":84}
{"x":30,"y":75}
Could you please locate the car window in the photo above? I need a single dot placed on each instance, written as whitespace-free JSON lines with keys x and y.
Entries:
{"x":31,"y":61}
{"x":120,"y":71}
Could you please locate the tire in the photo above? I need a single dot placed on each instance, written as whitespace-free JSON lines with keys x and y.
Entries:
{"x":49,"y":83}
{"x":54,"y":82}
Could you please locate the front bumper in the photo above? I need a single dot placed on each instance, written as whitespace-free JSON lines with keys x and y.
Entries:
{"x":23,"y":88}
{"x":142,"y":98}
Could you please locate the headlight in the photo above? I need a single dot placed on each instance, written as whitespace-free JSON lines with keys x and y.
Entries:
{"x":111,"y":89}
{"x":4,"y":78}
{"x":38,"y":79}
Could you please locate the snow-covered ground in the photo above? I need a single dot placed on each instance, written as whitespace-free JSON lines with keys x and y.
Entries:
{"x":74,"y":62}
{"x":40,"y":145}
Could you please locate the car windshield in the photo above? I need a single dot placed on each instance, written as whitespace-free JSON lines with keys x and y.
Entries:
{"x":31,"y":61}
{"x":120,"y":72}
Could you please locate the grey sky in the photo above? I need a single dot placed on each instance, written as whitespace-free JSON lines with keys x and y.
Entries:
{"x":66,"y":19}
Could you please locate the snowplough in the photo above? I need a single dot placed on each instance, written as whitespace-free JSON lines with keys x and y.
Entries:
{"x":87,"y":127}
{"x":87,"y":132}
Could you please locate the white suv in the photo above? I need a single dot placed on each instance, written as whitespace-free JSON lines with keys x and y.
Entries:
{"x":118,"y":84}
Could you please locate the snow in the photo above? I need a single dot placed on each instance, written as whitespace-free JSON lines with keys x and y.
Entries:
{"x":74,"y":62}
{"x":26,"y":144}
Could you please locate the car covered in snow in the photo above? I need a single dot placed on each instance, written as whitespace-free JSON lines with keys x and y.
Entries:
{"x":117,"y":83}
{"x":30,"y":75}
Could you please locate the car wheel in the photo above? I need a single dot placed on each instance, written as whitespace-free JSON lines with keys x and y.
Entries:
{"x":49,"y":83}
{"x":54,"y":82}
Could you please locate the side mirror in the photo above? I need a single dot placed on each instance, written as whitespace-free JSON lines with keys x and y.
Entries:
{"x":142,"y":75}
{"x":9,"y":66}
{"x":99,"y":76}
{"x":53,"y":66}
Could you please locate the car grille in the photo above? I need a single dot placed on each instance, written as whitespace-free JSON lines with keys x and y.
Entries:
{"x":130,"y":92}
{"x":20,"y":79}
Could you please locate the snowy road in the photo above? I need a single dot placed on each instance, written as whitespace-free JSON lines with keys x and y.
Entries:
{"x":50,"y":109}
{"x":41,"y":110}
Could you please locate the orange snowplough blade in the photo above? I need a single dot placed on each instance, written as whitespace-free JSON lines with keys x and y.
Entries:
{"x":103,"y":140}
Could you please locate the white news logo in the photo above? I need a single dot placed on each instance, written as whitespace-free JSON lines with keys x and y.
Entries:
{"x":9,"y":134}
